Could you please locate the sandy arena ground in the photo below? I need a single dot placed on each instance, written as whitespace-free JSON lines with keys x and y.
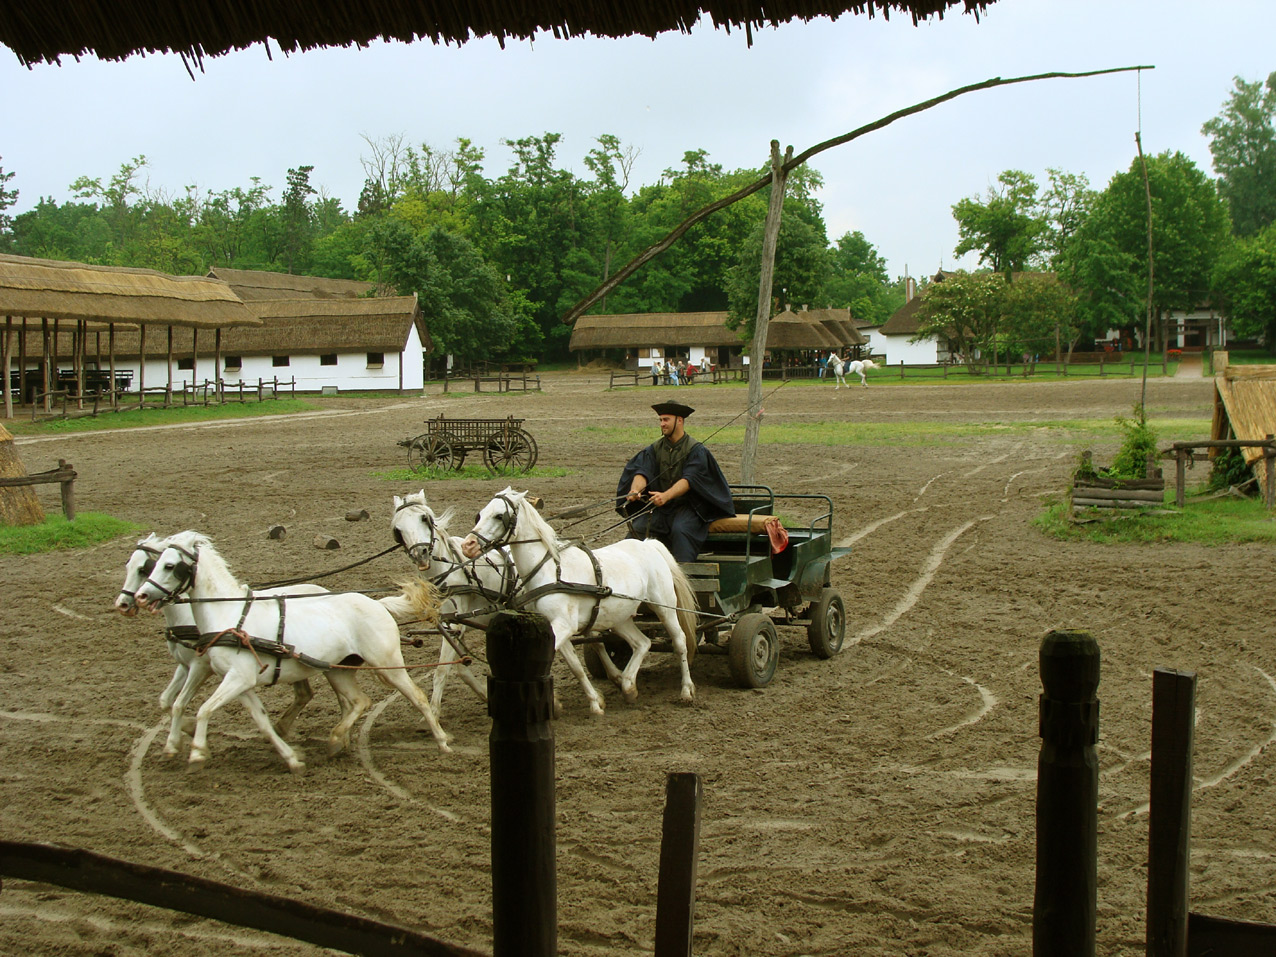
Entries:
{"x":879,"y":803}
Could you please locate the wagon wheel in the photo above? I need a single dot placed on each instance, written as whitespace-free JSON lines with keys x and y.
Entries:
{"x":828,"y":624}
{"x":753,"y":651}
{"x":435,"y":451}
{"x":510,"y":451}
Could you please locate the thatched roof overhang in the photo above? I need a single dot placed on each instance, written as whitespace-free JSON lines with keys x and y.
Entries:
{"x":790,"y":330}
{"x":1244,"y":403}
{"x":49,"y":289}
{"x":840,"y":324}
{"x":640,"y":330}
{"x":904,"y":321}
{"x":250,"y":284}
{"x":199,"y":28}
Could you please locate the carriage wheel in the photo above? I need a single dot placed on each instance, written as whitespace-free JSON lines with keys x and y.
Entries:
{"x":434,"y":452}
{"x":753,"y":651}
{"x":616,"y":649}
{"x":513,"y":451}
{"x":828,"y":624}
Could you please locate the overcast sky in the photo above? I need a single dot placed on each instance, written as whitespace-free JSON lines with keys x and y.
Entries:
{"x":247,"y":115}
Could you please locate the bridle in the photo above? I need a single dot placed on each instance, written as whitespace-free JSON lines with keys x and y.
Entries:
{"x":184,"y":572}
{"x":508,"y":520}
{"x":420,"y":549}
{"x":145,"y":570}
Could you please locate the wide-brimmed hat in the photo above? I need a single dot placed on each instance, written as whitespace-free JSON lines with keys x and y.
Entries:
{"x":673,"y":408}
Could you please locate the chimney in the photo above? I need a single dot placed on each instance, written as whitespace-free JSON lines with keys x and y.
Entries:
{"x":910,"y":288}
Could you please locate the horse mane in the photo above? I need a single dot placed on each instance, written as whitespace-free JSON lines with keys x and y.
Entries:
{"x":210,"y":560}
{"x":541,"y":529}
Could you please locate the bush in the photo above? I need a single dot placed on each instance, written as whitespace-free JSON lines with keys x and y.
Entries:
{"x":1140,"y":440}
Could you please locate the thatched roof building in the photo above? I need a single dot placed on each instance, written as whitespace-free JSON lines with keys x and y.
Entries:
{"x":838,"y":323}
{"x":639,"y":330}
{"x":1244,"y":404}
{"x":251,"y":284}
{"x":198,"y":28}
{"x":49,"y":289}
{"x":791,"y":330}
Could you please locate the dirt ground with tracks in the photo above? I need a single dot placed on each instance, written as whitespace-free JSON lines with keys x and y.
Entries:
{"x":878,"y":803}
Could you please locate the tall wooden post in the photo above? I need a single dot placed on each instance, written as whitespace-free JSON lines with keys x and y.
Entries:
{"x":8,"y":357}
{"x":679,"y":850}
{"x":520,"y":697}
{"x":1170,"y":811}
{"x":141,"y":365}
{"x":168,"y":389}
{"x":1063,"y":917}
{"x":770,"y":236}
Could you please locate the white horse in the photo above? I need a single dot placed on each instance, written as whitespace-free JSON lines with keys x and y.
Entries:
{"x":630,"y":573}
{"x":472,"y":591}
{"x":860,"y":368}
{"x":318,"y":633}
{"x":182,"y":633}
{"x":838,"y":368}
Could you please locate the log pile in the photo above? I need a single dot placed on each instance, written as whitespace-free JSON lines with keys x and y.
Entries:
{"x":1090,"y":490}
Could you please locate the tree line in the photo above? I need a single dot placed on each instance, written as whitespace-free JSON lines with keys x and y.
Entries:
{"x":497,"y":259}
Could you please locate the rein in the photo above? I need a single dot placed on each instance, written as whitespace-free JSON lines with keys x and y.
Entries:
{"x":328,"y":574}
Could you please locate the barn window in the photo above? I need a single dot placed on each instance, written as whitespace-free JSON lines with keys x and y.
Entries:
{"x":234,"y":362}
{"x":328,"y":359}
{"x":278,"y":361}
{"x":376,"y":360}
{"x":186,"y":364}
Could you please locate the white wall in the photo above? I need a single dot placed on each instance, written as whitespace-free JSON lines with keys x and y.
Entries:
{"x":898,"y":349}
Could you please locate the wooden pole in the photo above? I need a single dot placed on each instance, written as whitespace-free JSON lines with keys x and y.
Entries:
{"x":141,"y":365}
{"x":679,"y":849}
{"x":110,"y":348}
{"x":8,"y":361}
{"x":44,"y":331}
{"x":168,"y":388}
{"x":1180,"y":476}
{"x":1269,"y":476}
{"x":1170,"y":811}
{"x":217,"y":365}
{"x":1064,"y":908}
{"x":22,"y":363}
{"x":520,"y":695}
{"x":770,"y":237}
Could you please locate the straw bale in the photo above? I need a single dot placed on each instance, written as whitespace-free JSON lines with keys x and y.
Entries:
{"x":49,"y":289}
{"x":1244,"y":404}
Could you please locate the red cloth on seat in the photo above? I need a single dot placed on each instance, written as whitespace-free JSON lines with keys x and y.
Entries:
{"x":779,"y":537}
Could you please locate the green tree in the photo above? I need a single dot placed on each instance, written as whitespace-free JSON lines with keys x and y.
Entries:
{"x":1243,"y":144}
{"x":1245,"y":278}
{"x":1038,"y":310}
{"x":7,"y":198}
{"x":801,"y":269}
{"x":1007,"y":229}
{"x":297,"y":219}
{"x":858,"y":280}
{"x":1064,"y":207}
{"x":967,"y":310}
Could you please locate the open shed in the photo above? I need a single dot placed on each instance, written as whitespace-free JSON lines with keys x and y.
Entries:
{"x":1244,"y":405}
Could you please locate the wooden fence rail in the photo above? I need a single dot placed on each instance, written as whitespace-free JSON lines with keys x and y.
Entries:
{"x":1185,"y":452}
{"x":63,"y":474}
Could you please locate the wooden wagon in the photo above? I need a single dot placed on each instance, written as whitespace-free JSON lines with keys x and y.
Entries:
{"x":505,"y":445}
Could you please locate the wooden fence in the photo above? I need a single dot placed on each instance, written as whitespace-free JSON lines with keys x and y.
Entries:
{"x":1184,"y":453}
{"x":63,"y":474}
{"x":504,"y":381}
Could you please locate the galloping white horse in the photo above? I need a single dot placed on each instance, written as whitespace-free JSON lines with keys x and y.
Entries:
{"x":192,"y":668}
{"x":633,"y":572}
{"x":838,"y":368}
{"x":472,"y":591}
{"x":320,"y":632}
{"x":860,"y":368}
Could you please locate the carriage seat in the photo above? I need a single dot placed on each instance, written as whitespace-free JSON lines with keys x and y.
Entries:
{"x":755,"y":524}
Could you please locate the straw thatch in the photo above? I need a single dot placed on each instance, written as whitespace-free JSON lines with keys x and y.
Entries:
{"x":48,"y":289}
{"x":640,"y":330}
{"x":197,"y":28}
{"x":1244,"y":404}
{"x":798,"y":330}
{"x":250,"y":284}
{"x":840,"y":324}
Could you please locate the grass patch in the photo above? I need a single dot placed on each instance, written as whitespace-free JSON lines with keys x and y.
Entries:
{"x":917,"y":433}
{"x":136,"y":418}
{"x":1223,"y":521}
{"x":467,"y":472}
{"x":89,"y":528}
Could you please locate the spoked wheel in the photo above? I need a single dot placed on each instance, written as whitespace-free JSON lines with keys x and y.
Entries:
{"x":828,"y":624}
{"x":753,"y":651}
{"x":434,"y":452}
{"x":616,"y":649}
{"x":509,"y":452}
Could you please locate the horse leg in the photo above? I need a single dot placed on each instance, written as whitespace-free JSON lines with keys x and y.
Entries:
{"x":398,"y":679}
{"x":196,"y":673}
{"x":641,"y":644}
{"x":353,"y":704}
{"x":563,"y":645}
{"x":301,"y":695}
{"x":250,"y":701}
{"x":175,"y":683}
{"x":669,"y":618}
{"x":238,"y":681}
{"x":447,"y":656}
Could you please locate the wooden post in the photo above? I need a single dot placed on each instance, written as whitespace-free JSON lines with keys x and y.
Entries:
{"x":168,"y":389}
{"x":110,"y":348}
{"x":520,"y":695}
{"x":1170,"y":811}
{"x":1269,"y":473}
{"x":679,"y":849}
{"x":141,"y":365}
{"x":68,"y":489}
{"x":1064,"y":908}
{"x":8,"y":362}
{"x":44,"y":329}
{"x":1180,"y":476}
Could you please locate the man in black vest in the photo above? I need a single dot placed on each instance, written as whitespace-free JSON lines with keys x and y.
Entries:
{"x":674,"y":487}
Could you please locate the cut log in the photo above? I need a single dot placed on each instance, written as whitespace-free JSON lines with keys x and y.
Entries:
{"x":1121,"y":494}
{"x":18,"y":506}
{"x":326,"y":542}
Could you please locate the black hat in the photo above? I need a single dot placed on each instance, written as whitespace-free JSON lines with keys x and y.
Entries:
{"x":673,"y":408}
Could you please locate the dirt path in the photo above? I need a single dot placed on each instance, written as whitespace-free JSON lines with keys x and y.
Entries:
{"x":880,"y":803}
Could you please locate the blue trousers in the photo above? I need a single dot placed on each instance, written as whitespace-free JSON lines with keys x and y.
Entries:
{"x":677,"y":527}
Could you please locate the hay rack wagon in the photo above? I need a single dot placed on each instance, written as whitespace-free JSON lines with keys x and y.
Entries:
{"x":505,"y":445}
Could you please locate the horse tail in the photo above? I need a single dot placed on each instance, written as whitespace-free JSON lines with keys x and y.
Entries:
{"x":421,"y":596}
{"x":686,"y":601}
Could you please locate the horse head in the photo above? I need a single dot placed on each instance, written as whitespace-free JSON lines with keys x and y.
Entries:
{"x":415,"y":527}
{"x":136,"y":569}
{"x":173,"y":572}
{"x":495,"y":523}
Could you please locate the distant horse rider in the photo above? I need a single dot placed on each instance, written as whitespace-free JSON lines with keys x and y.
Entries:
{"x":674,"y":487}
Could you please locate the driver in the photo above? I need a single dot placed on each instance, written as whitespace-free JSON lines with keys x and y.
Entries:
{"x":683,"y":487}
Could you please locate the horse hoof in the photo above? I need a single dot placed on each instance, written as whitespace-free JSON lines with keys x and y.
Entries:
{"x":630,"y":693}
{"x":169,"y":751}
{"x":195,"y":765}
{"x":443,"y":747}
{"x":336,"y":747}
{"x":297,"y":767}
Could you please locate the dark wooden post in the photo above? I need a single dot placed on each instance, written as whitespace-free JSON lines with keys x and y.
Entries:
{"x":679,"y":849}
{"x":1180,"y":476}
{"x":1170,"y":811}
{"x":1063,"y":918}
{"x":68,"y":489}
{"x":1269,"y":474}
{"x":520,"y":697}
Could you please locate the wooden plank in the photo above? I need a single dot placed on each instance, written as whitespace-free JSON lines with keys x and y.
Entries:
{"x":1170,"y":811}
{"x":1122,"y":494}
{"x":1106,"y":503}
{"x":1219,"y":936}
{"x":679,"y":850}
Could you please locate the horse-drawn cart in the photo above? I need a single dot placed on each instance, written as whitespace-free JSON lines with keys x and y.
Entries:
{"x":737,"y":577}
{"x":506,"y":446}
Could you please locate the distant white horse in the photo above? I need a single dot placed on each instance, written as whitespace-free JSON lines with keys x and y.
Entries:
{"x":182,"y":633}
{"x":325,"y":633}
{"x":471,"y":591}
{"x":630,"y":573}
{"x":860,"y":368}
{"x":838,"y":368}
